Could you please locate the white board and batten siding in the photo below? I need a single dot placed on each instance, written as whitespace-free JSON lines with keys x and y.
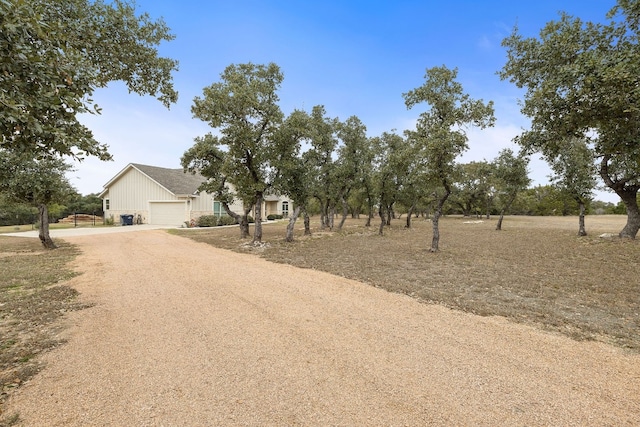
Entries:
{"x":133,"y":190}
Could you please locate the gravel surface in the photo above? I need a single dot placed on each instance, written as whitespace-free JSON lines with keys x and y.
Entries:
{"x":184,"y":334}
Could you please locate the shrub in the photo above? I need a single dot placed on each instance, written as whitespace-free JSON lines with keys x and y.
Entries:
{"x":273,"y":216}
{"x":207,"y":221}
{"x":226,"y":220}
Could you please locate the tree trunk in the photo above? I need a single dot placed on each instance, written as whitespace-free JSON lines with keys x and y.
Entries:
{"x":488,"y":207}
{"x":506,"y":208}
{"x":240,"y":219}
{"x":292,"y":223}
{"x":629,"y":198}
{"x":581,"y":229}
{"x":370,"y":215}
{"x":257,"y":228}
{"x":244,"y":226}
{"x":499,"y":225}
{"x":324,"y":215}
{"x":345,"y":212}
{"x":382,"y":220}
{"x":43,"y":233}
{"x":437,"y":213}
{"x":409,"y":214}
{"x":331,"y":217}
{"x":307,"y":226}
{"x":435,"y":240}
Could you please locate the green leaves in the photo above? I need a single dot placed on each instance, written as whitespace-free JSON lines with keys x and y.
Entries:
{"x":440,"y":130}
{"x":54,"y":53}
{"x":35,"y":181}
{"x":246,"y":94}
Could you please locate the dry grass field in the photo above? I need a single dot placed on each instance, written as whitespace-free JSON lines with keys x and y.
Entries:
{"x":31,"y":301}
{"x":535,"y":271}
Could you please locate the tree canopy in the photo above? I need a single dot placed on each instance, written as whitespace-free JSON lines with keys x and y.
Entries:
{"x":55,"y":53}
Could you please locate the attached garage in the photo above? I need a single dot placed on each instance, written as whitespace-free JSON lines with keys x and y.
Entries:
{"x":168,"y":213}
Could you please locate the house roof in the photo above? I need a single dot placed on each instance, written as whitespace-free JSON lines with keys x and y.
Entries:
{"x":174,"y":180}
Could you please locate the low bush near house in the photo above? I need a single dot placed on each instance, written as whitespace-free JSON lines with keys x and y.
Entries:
{"x":226,"y":220}
{"x":207,"y":221}
{"x":215,"y":220}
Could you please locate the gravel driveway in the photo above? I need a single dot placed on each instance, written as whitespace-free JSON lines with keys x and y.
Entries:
{"x":183,"y":334}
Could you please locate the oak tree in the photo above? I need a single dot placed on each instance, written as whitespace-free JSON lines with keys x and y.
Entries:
{"x":243,"y":108}
{"x":582,"y":80}
{"x":207,"y":158}
{"x":397,"y":166}
{"x":510,"y":177}
{"x":320,"y":159}
{"x":38,"y":182}
{"x":290,"y":174}
{"x":575,"y":174}
{"x":354,"y":159}
{"x":441,"y":129}
{"x":472,"y":189}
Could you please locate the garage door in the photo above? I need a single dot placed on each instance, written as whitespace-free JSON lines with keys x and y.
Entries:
{"x":167,"y":213}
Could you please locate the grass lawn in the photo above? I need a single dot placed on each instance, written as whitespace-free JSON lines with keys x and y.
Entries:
{"x":535,"y":271}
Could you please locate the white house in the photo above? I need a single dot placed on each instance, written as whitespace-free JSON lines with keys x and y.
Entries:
{"x":155,"y":195}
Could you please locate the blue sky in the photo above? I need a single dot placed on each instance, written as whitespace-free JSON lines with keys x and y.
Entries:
{"x":353,"y":57}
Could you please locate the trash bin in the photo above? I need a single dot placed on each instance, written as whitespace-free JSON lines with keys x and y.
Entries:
{"x":126,"y":219}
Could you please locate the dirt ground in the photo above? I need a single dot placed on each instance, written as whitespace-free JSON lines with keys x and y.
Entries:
{"x":184,"y":334}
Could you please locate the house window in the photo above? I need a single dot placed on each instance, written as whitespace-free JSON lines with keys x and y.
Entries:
{"x":218,"y":210}
{"x":285,"y":209}
{"x":107,"y":205}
